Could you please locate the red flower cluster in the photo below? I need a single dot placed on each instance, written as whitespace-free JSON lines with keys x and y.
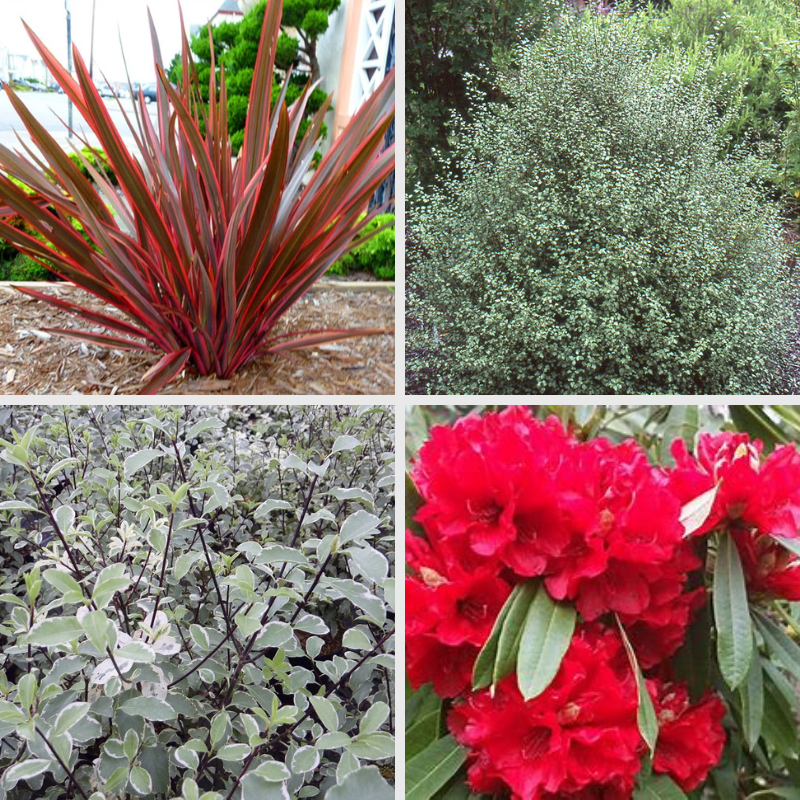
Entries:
{"x":756,"y":501}
{"x":507,"y":498}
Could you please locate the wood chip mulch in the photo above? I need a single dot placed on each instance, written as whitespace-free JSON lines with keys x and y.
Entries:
{"x":34,"y":362}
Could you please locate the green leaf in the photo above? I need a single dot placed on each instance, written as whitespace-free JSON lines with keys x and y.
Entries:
{"x":751,"y":694}
{"x":140,"y":781}
{"x":422,"y":733}
{"x":544,"y":640}
{"x":753,"y":420}
{"x":208,"y":424}
{"x":99,"y":629}
{"x":69,"y":716}
{"x":137,"y":651}
{"x":54,"y":631}
{"x":693,"y":661}
{"x":373,"y":746}
{"x":430,"y":770}
{"x":130,"y":745}
{"x":151,"y":708}
{"x":780,"y":644}
{"x":219,"y":725}
{"x":18,"y":505}
{"x":483,"y":669}
{"x":414,"y":502}
{"x":183,"y":563}
{"x":646,"y":713}
{"x":234,"y":752}
{"x":778,"y":725}
{"x":26,"y":691}
{"x":508,"y":643}
{"x":356,"y":525}
{"x":659,"y":787}
{"x":110,"y":580}
{"x":374,"y":717}
{"x":256,"y":787}
{"x":363,"y":783}
{"x":141,"y":459}
{"x":10,"y":713}
{"x":731,"y":614}
{"x":29,"y":768}
{"x":273,"y":771}
{"x":326,"y":712}
{"x":305,"y":759}
{"x":345,"y":443}
{"x":271,"y":505}
{"x":65,"y":584}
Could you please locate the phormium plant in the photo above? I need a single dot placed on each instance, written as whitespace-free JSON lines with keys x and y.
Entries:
{"x":583,"y":622}
{"x":201,"y":253}
{"x":196,"y":604}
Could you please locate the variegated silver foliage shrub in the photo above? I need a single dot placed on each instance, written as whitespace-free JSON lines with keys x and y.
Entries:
{"x":196,"y":603}
{"x":594,"y":241}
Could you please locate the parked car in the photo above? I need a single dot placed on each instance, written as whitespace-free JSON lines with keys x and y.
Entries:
{"x":148,"y":90}
{"x":105,"y":90}
{"x":32,"y":86}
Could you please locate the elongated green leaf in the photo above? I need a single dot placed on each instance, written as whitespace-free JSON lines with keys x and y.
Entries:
{"x":508,"y":644}
{"x":646,"y":713}
{"x":751,"y":695}
{"x":778,"y":725}
{"x":484,"y":664}
{"x":753,"y":420}
{"x":422,"y":733}
{"x":430,"y":770}
{"x":731,"y":614}
{"x":659,"y":787}
{"x":692,"y":662}
{"x":544,"y":640}
{"x":780,"y":644}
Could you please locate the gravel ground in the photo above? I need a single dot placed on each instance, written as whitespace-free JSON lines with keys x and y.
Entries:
{"x":36,"y":363}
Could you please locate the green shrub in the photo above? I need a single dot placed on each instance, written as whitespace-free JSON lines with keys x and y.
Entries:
{"x":99,"y":164}
{"x":596,"y":244}
{"x":24,"y":268}
{"x":196,"y":597}
{"x":376,"y":255}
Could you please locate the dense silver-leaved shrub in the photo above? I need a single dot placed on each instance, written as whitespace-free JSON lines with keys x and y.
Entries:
{"x":594,"y":241}
{"x":196,"y":603}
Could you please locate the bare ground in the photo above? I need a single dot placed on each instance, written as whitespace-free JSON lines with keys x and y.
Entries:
{"x":36,"y":363}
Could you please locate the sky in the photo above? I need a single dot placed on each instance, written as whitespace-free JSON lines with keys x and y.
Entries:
{"x":113,"y":18}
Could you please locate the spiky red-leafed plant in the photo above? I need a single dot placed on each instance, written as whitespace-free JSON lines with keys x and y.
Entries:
{"x":202,"y":253}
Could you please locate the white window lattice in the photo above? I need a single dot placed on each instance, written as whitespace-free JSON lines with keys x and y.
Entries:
{"x":377,"y":17}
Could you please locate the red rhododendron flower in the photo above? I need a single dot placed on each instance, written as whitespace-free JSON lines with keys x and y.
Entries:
{"x":449,"y":669}
{"x":761,"y":495}
{"x":756,"y":500}
{"x":769,"y":568}
{"x":450,"y":611}
{"x":690,"y":737}
{"x":595,"y":519}
{"x":578,"y":737}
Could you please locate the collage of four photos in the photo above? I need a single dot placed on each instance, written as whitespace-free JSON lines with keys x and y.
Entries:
{"x":586,"y":340}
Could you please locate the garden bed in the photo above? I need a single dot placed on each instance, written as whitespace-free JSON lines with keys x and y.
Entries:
{"x":36,"y":363}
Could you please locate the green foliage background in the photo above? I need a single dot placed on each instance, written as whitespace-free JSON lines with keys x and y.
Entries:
{"x":236,"y":47}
